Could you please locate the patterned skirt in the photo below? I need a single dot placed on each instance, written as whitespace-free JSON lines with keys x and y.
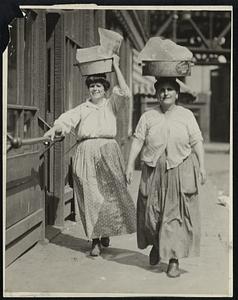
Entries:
{"x":168,"y":209}
{"x":105,"y":205}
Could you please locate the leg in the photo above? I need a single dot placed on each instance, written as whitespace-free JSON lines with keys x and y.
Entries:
{"x":173,"y":268}
{"x":105,"y":241}
{"x":96,"y":247}
{"x":154,"y":255}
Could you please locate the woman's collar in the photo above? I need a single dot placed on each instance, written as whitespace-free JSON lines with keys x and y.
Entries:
{"x":171,"y":108}
{"x":90,"y":103}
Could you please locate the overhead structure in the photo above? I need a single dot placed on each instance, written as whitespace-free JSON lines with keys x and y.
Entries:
{"x":206,"y":33}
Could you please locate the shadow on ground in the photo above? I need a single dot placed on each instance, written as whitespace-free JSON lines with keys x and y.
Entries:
{"x":118,"y":255}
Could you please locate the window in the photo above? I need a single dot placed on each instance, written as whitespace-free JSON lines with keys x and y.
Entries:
{"x":12,"y":64}
{"x":28,"y":123}
{"x":12,"y":122}
{"x":20,"y":123}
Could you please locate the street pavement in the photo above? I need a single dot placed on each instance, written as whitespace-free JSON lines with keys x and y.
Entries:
{"x":64,"y":267}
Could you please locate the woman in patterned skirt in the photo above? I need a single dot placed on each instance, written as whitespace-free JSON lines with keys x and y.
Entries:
{"x":105,"y":206}
{"x":173,"y":160}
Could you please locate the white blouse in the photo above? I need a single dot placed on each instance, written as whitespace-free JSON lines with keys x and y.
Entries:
{"x":175,"y":131}
{"x":91,"y":120}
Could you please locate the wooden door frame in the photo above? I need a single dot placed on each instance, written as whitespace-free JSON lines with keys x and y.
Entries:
{"x":59,"y":96}
{"x":49,"y":114}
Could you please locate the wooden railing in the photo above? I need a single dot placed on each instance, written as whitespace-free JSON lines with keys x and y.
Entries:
{"x":17,"y":142}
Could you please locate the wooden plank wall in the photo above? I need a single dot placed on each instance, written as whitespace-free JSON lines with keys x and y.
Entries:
{"x":25,"y":194}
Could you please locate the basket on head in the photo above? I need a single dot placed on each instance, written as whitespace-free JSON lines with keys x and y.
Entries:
{"x":98,"y":59}
{"x":166,"y":68}
{"x":164,"y":58}
{"x":91,"y":62}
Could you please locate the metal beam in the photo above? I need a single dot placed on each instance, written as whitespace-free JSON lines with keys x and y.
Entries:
{"x":199,"y":33}
{"x":129,"y":27}
{"x":225,"y":31}
{"x":211,"y":21}
{"x":174,"y":23}
{"x":139,"y":25}
{"x":164,"y":26}
{"x":205,"y":50}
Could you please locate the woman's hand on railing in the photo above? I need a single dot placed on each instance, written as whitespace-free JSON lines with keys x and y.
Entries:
{"x":54,"y":131}
{"x":55,"y":134}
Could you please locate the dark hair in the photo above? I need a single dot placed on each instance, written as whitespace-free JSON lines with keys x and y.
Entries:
{"x":170,"y":80}
{"x":101,"y":78}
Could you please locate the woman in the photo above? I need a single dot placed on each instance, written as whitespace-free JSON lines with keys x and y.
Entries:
{"x":105,"y":206}
{"x":173,"y":159}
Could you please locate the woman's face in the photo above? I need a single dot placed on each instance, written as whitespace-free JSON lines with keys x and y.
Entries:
{"x":166,"y":94}
{"x":96,"y":90}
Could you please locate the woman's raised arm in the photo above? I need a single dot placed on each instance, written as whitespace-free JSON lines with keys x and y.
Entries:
{"x":121,"y":81}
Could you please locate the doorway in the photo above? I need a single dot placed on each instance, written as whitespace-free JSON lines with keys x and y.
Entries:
{"x":220,"y":105}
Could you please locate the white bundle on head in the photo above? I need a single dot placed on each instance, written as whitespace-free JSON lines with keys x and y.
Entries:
{"x":110,"y":42}
{"x":158,"y":49}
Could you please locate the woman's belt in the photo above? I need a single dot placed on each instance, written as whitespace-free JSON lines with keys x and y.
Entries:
{"x":94,"y":138}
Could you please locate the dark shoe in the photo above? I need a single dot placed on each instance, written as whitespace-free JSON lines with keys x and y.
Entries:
{"x":105,"y":241}
{"x":96,"y":248}
{"x":154,"y":256}
{"x":173,"y":268}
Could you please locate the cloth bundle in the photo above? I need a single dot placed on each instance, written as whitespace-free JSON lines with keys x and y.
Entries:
{"x":162,"y":57}
{"x":157,"y":49}
{"x":98,"y":59}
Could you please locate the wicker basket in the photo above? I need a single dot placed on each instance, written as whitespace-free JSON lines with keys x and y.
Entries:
{"x":96,"y":67}
{"x":166,"y":68}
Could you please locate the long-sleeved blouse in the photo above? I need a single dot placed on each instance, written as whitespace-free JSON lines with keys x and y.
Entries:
{"x":93,"y":121}
{"x":174,"y":131}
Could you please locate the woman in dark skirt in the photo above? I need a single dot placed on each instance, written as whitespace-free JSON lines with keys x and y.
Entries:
{"x":172,"y":163}
{"x":105,"y":206}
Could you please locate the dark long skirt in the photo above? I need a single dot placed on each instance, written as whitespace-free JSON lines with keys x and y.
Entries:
{"x":168,"y":208}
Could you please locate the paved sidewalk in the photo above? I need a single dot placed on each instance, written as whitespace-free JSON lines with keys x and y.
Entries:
{"x":64,"y":265}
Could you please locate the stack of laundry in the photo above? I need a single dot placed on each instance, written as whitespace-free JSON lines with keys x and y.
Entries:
{"x":164,"y":58}
{"x":98,"y":59}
